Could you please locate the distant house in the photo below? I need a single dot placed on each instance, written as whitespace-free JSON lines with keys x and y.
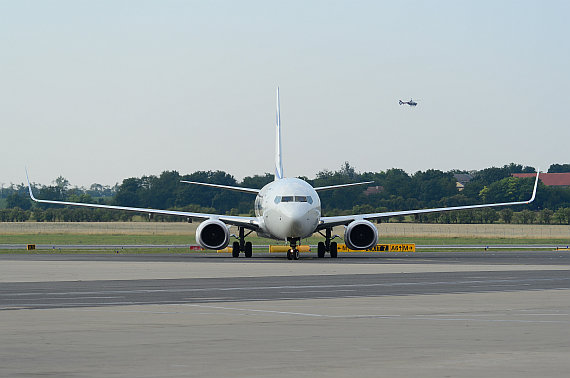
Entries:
{"x":462,"y":179}
{"x":549,"y":179}
{"x":373,"y":190}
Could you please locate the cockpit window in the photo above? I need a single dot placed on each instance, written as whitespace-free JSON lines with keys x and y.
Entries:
{"x":279,"y":199}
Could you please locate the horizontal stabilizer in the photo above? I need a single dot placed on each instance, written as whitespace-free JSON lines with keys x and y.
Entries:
{"x":330,"y":187}
{"x":234,"y":188}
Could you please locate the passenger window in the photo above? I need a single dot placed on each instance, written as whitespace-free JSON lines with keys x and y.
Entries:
{"x":287,"y":199}
{"x":300,"y":199}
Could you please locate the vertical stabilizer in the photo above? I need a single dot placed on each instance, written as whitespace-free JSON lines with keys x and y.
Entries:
{"x":278,"y":159}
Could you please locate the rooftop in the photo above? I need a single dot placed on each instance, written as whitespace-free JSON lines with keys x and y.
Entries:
{"x":549,"y":179}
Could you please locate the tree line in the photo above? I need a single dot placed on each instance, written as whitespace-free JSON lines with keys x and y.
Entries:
{"x":393,"y":189}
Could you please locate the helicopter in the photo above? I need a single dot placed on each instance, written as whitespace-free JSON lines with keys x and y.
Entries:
{"x":411,"y":102}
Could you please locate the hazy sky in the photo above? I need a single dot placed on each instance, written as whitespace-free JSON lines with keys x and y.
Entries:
{"x":98,"y":91}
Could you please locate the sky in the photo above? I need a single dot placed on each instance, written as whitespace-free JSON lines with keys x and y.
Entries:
{"x":99,"y":91}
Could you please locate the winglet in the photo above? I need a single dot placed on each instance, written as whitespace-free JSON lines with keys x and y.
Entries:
{"x":30,"y":186}
{"x":535,"y":186}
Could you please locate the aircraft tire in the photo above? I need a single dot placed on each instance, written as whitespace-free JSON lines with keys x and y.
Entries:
{"x":295,"y":254}
{"x":333,"y":251}
{"x":248,"y":249}
{"x":289,"y":255}
{"x":321,"y":250}
{"x":235,"y":249}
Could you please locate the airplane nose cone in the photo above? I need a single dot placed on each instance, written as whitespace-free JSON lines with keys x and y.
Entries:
{"x":294,"y":221}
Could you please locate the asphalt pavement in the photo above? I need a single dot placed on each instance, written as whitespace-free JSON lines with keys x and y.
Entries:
{"x":430,"y":314}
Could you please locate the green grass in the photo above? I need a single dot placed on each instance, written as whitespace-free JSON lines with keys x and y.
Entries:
{"x":137,"y":251}
{"x":122,"y":239}
{"x":151,"y":233}
{"x":90,"y":239}
{"x":453,"y":240}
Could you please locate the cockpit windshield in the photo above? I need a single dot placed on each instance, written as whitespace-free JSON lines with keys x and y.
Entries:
{"x":279,"y":199}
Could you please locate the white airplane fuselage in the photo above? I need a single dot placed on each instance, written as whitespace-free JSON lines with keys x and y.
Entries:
{"x":287,"y":208}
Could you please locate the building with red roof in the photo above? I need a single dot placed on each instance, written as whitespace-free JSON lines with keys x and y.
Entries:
{"x":549,"y":179}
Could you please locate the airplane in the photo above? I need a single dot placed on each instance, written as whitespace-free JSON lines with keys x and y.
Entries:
{"x":286,"y":209}
{"x":411,"y":102}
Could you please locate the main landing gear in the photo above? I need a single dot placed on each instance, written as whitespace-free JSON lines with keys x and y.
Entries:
{"x":327,"y":246}
{"x":242,"y":245}
{"x":293,"y":252}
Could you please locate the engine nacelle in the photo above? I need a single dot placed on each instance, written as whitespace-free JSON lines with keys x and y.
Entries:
{"x":360,"y":234}
{"x":213,"y":234}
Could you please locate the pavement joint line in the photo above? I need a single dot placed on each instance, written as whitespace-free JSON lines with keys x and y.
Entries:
{"x":283,"y":312}
{"x":347,"y":316}
{"x":497,"y":282}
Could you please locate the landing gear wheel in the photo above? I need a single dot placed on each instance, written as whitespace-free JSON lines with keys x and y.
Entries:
{"x":295,"y":254}
{"x":235,"y":249}
{"x":248,"y":249}
{"x":333,"y":251}
{"x":289,"y":255}
{"x":321,"y":250}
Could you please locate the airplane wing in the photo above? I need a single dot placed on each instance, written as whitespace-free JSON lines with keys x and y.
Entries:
{"x":250,"y":223}
{"x":327,"y":222}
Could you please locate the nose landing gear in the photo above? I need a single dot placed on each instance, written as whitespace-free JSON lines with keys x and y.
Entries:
{"x":293,"y":253}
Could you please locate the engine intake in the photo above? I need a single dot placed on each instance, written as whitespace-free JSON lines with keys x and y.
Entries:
{"x":213,"y":234}
{"x":360,"y":234}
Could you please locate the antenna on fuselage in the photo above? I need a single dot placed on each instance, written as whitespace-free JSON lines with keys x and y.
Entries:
{"x":278,"y":158}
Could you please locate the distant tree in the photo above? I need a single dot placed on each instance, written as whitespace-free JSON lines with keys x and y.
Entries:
{"x":220,"y":199}
{"x":17,"y":200}
{"x":544,"y":216}
{"x":18,"y":215}
{"x":508,"y":189}
{"x":344,"y":198}
{"x":506,"y":215}
{"x":488,"y":176}
{"x":398,"y":183}
{"x":446,"y":217}
{"x":456,"y":200}
{"x":257,"y":181}
{"x":562,"y":215}
{"x":525,"y":217}
{"x":430,"y":186}
{"x":62,"y":183}
{"x":348,"y":171}
{"x":128,"y":193}
{"x":559,"y":168}
{"x":98,"y":190}
{"x":80,"y":197}
{"x":465,"y":216}
{"x":489,"y":215}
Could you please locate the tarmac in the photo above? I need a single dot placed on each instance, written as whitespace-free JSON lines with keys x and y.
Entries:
{"x":429,"y":314}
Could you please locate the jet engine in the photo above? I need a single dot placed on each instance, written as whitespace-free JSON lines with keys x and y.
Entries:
{"x":360,"y":234}
{"x":213,"y":234}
